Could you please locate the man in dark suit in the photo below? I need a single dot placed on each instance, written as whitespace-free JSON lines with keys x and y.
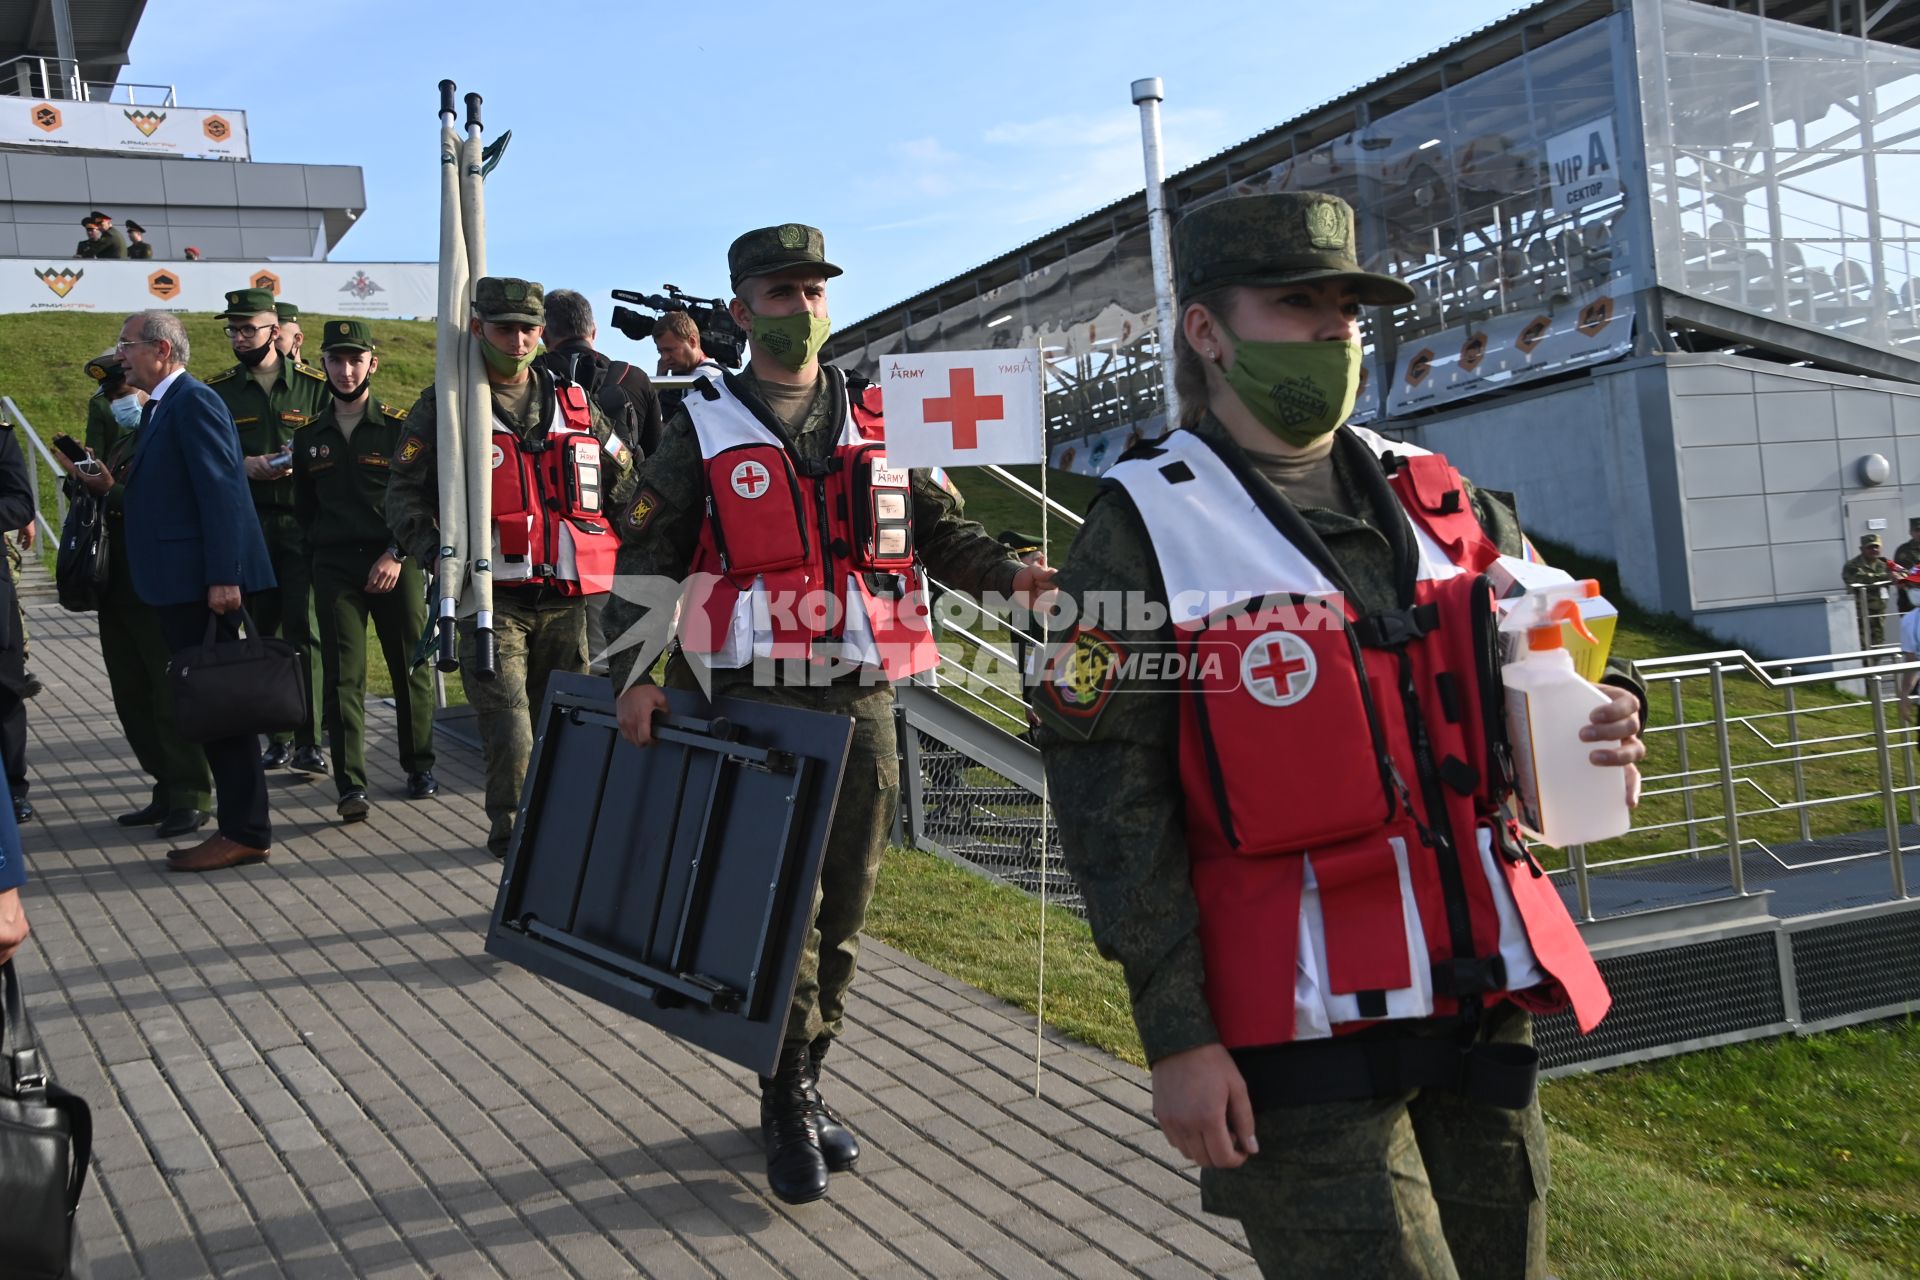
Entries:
{"x":16,"y":512}
{"x":13,"y":874}
{"x":193,"y":545}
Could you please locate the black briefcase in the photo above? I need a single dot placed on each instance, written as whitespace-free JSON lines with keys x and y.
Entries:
{"x":46,"y":1135}
{"x":80,"y":566}
{"x":229,"y":688}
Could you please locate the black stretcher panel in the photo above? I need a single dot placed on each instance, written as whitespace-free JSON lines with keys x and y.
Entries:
{"x":674,"y":883}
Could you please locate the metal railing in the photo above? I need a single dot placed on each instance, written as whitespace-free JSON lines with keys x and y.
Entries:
{"x":29,"y":76}
{"x":49,"y":529}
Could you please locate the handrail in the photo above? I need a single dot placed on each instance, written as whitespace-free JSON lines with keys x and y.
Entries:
{"x":19,"y":419}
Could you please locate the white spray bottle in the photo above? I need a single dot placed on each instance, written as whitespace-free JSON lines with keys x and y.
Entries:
{"x":1564,"y":798}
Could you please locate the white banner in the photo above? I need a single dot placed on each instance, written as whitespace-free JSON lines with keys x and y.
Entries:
{"x":194,"y":132}
{"x":963,"y":408}
{"x":389,"y":290}
{"x":1456,"y":363}
{"x":1582,"y":161}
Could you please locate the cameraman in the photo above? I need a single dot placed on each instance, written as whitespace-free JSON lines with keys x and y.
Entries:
{"x":625,"y":394}
{"x":677,"y":338}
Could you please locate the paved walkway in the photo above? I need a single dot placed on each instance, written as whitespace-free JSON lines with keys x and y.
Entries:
{"x":310,"y":1068}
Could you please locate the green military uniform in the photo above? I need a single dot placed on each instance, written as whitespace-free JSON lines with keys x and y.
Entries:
{"x":88,"y":244}
{"x":289,"y":314}
{"x":139,"y":249}
{"x":340,"y":488}
{"x":267,"y":419}
{"x":660,"y":530}
{"x":1907,"y":555}
{"x":1420,"y":1183}
{"x":111,"y":243}
{"x":537,"y":631}
{"x":136,"y":654}
{"x":1871,"y":582}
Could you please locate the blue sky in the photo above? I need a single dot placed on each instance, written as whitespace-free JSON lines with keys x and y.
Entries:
{"x":924,"y":139}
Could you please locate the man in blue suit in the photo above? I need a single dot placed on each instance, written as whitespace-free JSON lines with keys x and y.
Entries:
{"x":13,"y":874}
{"x":193,"y":545}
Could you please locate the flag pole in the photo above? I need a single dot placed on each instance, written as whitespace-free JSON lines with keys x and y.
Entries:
{"x":1147,"y":95}
{"x":1046,"y":807}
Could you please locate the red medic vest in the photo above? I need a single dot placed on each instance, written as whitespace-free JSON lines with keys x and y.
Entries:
{"x":550,"y":525}
{"x":1344,"y":792}
{"x":802,"y":559}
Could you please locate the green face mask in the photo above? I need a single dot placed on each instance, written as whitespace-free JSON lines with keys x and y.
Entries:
{"x":792,"y":340}
{"x":503,"y":364}
{"x":1298,"y":390}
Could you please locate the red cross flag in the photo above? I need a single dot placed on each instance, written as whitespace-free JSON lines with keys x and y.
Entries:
{"x":963,"y":408}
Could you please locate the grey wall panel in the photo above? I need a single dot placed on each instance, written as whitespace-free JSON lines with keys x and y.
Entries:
{"x":200,"y":182}
{"x":1856,"y":450}
{"x":1862,"y":412}
{"x":276,"y":242}
{"x":1906,"y":415}
{"x":1804,"y":517}
{"x":335,"y":186}
{"x":306,"y":219}
{"x":1716,"y":419}
{"x":1908,"y":463}
{"x":205,"y":216}
{"x":66,"y":215}
{"x":1728,"y":576}
{"x":6,"y":179}
{"x":50,"y":178}
{"x":1778,"y":630}
{"x":9,"y":242}
{"x":1808,"y":568}
{"x":270,"y":185}
{"x":112,"y":181}
{"x":1710,"y":380}
{"x":213,"y":242}
{"x":45,"y":240}
{"x":1791,"y":468}
{"x":1717,"y":523}
{"x":1720,"y":472}
{"x":1788,"y":413}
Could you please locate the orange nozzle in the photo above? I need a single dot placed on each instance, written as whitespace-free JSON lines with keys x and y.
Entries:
{"x":1569,"y":611}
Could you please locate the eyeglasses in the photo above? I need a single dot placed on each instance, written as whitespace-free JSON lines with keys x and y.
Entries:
{"x":137,"y":342}
{"x":246,"y":330}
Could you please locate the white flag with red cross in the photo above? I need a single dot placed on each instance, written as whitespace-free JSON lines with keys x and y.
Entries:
{"x":963,"y":408}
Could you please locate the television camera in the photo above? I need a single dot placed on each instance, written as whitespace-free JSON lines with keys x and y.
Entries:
{"x":720,"y":337}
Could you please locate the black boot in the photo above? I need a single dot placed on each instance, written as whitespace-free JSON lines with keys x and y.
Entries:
{"x":796,"y":1171}
{"x":837,"y":1143}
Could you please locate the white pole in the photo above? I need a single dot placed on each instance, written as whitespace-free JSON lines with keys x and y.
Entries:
{"x":1147,"y":95}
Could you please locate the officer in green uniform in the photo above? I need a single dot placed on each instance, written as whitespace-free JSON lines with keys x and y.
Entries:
{"x":1418,"y":1183}
{"x":131,"y":647}
{"x":290,"y":339}
{"x":89,"y":243}
{"x":780,"y":278}
{"x":1907,"y":555}
{"x":1871,"y":582}
{"x":111,"y":243}
{"x":270,"y":399}
{"x":341,"y":461}
{"x":537,"y":630}
{"x":137,"y":246}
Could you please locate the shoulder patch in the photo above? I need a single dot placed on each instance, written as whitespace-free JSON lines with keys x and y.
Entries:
{"x":311,"y":373}
{"x":1081,"y":675}
{"x":392,"y":414}
{"x":645,"y":503}
{"x":223,"y":375}
{"x":411,"y":450}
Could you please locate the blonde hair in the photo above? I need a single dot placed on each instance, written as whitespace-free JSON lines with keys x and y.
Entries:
{"x":1189,"y":370}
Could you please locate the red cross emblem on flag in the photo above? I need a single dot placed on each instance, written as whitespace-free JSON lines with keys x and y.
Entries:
{"x":749,"y":479}
{"x":1279,"y":669}
{"x":963,"y":409}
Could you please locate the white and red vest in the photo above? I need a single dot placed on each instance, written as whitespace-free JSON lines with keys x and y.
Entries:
{"x":802,"y":559}
{"x":550,"y":526}
{"x":1343,"y":794}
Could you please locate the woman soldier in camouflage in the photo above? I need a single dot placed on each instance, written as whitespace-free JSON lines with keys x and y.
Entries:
{"x":1335,"y":1003}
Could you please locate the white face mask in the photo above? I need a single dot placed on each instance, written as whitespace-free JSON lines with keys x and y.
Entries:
{"x":126,"y":411}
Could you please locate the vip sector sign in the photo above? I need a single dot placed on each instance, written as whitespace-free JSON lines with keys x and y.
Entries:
{"x":1585,"y":167}
{"x":963,"y":408}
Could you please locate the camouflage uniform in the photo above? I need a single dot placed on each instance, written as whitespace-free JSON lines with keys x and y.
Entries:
{"x":1907,"y":555}
{"x":1869,"y":579}
{"x":1416,"y":1184}
{"x":537,"y":630}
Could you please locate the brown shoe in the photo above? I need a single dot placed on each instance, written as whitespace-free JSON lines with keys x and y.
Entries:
{"x":214,"y":853}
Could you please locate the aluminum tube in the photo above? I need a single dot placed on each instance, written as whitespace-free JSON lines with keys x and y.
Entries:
{"x":1147,"y":95}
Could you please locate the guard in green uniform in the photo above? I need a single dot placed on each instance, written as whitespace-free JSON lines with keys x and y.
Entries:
{"x":538,"y":629}
{"x":1872,"y":586}
{"x":270,"y":399}
{"x":1907,"y":555}
{"x":780,"y":278}
{"x":137,"y":246}
{"x":131,"y":647}
{"x":111,"y":243}
{"x":290,"y":340}
{"x":89,"y":243}
{"x":341,"y":461}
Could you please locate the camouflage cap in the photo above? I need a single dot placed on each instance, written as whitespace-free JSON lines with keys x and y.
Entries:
{"x":1288,"y":238}
{"x":769,"y":249}
{"x":346,"y":335}
{"x":510,"y":300}
{"x":286,"y":311}
{"x":249,"y":302}
{"x":1869,"y":539}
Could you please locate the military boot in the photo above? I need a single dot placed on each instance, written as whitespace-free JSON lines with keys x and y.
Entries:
{"x":796,"y":1171}
{"x":837,"y":1143}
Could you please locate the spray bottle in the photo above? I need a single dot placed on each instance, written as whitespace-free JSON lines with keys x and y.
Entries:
{"x":1564,"y":798}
